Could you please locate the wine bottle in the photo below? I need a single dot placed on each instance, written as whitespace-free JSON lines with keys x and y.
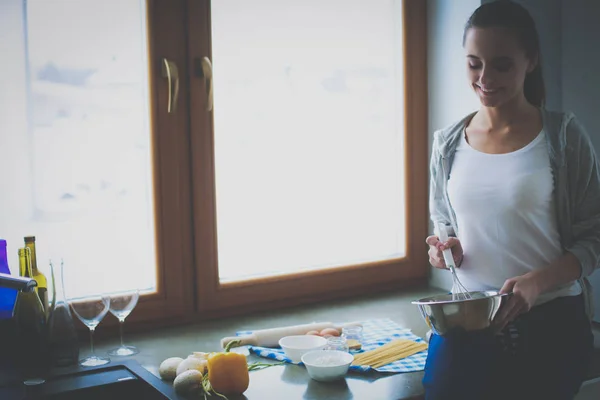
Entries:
{"x":30,"y":319}
{"x":42,"y":282}
{"x":25,"y":263}
{"x":8,"y":336}
{"x":7,"y":295}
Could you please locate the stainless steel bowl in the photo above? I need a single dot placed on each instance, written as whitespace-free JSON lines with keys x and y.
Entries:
{"x":443,"y":315}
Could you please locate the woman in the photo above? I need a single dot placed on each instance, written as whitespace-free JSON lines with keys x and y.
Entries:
{"x":519,"y":189}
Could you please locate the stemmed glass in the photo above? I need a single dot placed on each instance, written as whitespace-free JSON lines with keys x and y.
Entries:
{"x":90,"y":311}
{"x":121,"y":305}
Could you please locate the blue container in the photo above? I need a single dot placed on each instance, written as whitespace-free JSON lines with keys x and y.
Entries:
{"x":7,"y":296}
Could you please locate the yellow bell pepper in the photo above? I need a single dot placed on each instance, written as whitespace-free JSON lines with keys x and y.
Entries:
{"x":228,"y":372}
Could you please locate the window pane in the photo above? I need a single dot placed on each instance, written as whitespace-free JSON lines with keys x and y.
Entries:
{"x":75,"y":150}
{"x":308,"y":134}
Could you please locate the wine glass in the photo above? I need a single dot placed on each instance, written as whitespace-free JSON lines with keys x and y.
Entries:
{"x":90,"y":311}
{"x":121,"y":305}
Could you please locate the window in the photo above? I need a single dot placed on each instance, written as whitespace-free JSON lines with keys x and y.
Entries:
{"x":310,"y":174}
{"x":90,"y":158}
{"x":87,"y":103}
{"x":290,"y":164}
{"x":316,"y":145}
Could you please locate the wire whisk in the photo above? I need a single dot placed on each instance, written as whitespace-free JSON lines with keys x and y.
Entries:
{"x":459,"y":291}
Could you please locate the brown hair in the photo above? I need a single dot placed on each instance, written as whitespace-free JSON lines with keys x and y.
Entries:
{"x":508,"y":14}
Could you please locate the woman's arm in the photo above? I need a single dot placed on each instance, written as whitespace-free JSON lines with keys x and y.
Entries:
{"x":562,"y":271}
{"x":439,"y":210}
{"x":437,"y":205}
{"x":527,"y":288}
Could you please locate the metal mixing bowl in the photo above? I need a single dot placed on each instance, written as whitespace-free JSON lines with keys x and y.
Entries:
{"x":443,"y":315}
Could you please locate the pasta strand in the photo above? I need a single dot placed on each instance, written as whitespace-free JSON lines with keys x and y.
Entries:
{"x":388,"y":353}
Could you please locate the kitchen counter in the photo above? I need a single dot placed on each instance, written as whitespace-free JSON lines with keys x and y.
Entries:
{"x":291,"y":381}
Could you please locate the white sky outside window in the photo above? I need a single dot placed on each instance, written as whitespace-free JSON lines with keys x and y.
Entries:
{"x":308,"y":134}
{"x":75,"y":150}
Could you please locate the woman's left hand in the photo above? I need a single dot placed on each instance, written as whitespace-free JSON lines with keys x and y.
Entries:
{"x":525,"y":289}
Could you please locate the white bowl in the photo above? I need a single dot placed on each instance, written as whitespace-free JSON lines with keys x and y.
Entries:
{"x":296,"y":346}
{"x":327,"y":365}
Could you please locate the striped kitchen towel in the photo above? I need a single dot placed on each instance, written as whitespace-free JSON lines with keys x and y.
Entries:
{"x":376,"y":332}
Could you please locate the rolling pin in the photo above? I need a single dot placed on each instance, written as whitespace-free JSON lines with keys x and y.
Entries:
{"x":270,"y":337}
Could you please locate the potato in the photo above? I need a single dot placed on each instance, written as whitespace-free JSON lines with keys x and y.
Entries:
{"x":188,"y":382}
{"x":192,"y":363}
{"x":168,"y":368}
{"x":316,"y":333}
{"x":330,"y":332}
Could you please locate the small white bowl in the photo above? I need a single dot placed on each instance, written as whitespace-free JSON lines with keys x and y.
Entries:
{"x":327,"y":365}
{"x":296,"y":346}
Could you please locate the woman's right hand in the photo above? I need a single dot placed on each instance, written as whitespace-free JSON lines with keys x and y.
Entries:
{"x":436,"y":258}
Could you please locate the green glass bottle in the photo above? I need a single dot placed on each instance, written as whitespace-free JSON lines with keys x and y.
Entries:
{"x":40,"y":278}
{"x":30,"y":320}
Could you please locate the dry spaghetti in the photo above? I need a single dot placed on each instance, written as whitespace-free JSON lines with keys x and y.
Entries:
{"x":388,"y":353}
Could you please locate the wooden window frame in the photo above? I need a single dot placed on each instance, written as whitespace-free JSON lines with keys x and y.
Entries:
{"x":215,"y":299}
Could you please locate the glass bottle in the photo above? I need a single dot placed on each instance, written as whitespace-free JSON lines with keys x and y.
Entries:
{"x":30,"y":320}
{"x":336,"y":343}
{"x":62,"y":336}
{"x":3,"y":258}
{"x":353,"y":336}
{"x":40,"y":278}
{"x":7,"y":296}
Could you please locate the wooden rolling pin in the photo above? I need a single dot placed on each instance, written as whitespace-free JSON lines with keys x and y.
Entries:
{"x":270,"y":337}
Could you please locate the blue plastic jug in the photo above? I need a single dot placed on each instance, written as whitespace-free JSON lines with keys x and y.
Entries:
{"x":7,"y":296}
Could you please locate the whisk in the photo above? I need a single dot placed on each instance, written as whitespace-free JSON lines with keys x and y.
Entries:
{"x":459,"y":291}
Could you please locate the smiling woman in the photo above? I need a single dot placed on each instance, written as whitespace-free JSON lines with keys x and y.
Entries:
{"x":292,"y":171}
{"x":507,"y":181}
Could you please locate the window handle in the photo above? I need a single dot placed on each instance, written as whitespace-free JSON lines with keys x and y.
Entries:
{"x":170,"y":71}
{"x":203,"y":69}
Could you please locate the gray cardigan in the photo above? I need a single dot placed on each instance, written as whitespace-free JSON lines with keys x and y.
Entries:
{"x":576,"y":175}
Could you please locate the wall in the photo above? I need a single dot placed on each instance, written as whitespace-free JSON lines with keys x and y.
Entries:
{"x":581,"y":63}
{"x":450,"y":96}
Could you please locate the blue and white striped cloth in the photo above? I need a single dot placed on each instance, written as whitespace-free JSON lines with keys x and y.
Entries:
{"x":376,"y":332}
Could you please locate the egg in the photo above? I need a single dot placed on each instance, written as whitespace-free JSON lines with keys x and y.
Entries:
{"x":316,"y":333}
{"x":329,"y":332}
{"x":168,"y":368}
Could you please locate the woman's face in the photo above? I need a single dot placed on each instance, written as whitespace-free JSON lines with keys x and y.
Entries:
{"x":496,"y":65}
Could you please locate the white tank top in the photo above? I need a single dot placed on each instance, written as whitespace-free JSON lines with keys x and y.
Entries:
{"x":505,"y":212}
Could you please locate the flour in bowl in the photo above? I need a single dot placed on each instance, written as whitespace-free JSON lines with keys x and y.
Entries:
{"x":328,"y":360}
